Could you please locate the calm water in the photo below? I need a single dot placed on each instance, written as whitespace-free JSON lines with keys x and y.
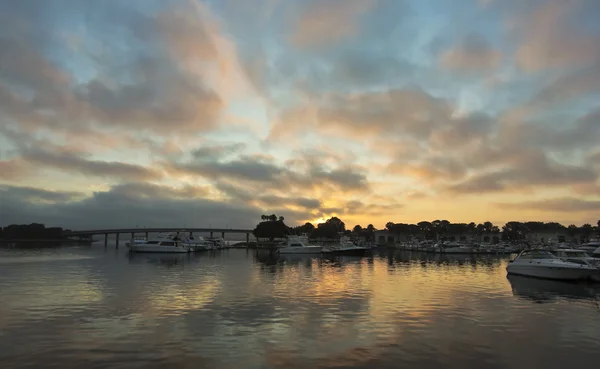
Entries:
{"x":93,"y":307}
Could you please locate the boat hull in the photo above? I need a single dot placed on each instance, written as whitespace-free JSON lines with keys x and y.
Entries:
{"x":159,"y":249}
{"x":547,"y":272}
{"x":301,"y":250}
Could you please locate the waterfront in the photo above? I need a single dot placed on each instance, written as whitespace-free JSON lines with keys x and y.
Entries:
{"x":97,"y":307}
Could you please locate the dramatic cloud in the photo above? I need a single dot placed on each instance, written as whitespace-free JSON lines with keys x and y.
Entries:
{"x":372,"y":110}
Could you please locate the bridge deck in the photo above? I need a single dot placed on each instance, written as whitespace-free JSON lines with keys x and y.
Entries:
{"x":155,"y":230}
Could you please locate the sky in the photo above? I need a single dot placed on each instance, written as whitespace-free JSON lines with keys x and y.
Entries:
{"x":210,"y":113}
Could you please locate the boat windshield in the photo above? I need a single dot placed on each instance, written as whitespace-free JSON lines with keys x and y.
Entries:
{"x":536,"y":254}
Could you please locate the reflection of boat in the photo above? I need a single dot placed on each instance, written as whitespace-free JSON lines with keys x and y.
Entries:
{"x":295,"y":246}
{"x":159,"y":258}
{"x":543,"y":264}
{"x":545,"y":290}
{"x":347,"y":247}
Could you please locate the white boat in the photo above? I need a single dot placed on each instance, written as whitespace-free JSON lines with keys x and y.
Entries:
{"x":160,"y":245}
{"x":136,"y":240}
{"x":347,"y":247}
{"x":294,"y":245}
{"x":590,"y":247}
{"x":456,"y":248}
{"x":543,"y":264}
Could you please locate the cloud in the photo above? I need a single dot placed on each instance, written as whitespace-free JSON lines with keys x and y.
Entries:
{"x":473,"y":55}
{"x":535,"y":169}
{"x":326,"y":21}
{"x":168,"y":72}
{"x":553,"y":36}
{"x":266,"y":172}
{"x":34,"y":195}
{"x":116,"y":208}
{"x":566,"y":204}
{"x":74,"y":164}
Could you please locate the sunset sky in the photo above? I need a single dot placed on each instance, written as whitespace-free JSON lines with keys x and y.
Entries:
{"x":210,"y":113}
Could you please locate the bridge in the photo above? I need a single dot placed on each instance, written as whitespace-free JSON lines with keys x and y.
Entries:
{"x":134,"y":231}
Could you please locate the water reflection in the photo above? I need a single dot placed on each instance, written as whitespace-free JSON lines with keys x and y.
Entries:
{"x":541,"y":290}
{"x":256,"y":309}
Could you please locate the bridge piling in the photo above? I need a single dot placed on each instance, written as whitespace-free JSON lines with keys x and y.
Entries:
{"x":117,"y":246}
{"x":247,"y":237}
{"x":105,"y":239}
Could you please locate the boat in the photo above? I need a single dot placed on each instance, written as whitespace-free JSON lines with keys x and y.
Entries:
{"x":596,"y":253}
{"x":136,"y":240}
{"x":590,"y":247}
{"x":456,"y":248}
{"x":294,"y":245}
{"x":580,"y":257}
{"x":347,"y":247}
{"x":543,"y":264}
{"x":160,"y":245}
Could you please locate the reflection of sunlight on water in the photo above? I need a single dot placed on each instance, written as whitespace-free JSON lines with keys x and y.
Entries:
{"x":177,"y":298}
{"x":41,"y":259}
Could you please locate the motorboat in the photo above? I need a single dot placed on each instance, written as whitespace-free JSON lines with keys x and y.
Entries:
{"x":136,"y":240}
{"x":294,"y":245}
{"x":160,"y":245}
{"x":590,"y":247}
{"x":347,"y":247}
{"x":543,"y":264}
{"x":456,"y":248}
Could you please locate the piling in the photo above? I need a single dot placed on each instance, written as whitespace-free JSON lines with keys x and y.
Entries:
{"x":117,"y":241}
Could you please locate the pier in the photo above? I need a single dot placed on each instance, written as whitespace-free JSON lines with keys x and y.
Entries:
{"x":145,"y":231}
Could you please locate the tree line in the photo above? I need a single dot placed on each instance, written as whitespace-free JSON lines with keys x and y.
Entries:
{"x":31,"y":231}
{"x":273,"y":226}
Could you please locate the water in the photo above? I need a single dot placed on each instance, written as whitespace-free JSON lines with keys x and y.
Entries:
{"x":92,"y":307}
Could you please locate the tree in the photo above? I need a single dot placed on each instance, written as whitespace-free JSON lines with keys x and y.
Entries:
{"x":271,"y":227}
{"x":370,"y":233}
{"x":357,"y":230}
{"x":586,"y":230}
{"x":572,"y":230}
{"x":514,"y":231}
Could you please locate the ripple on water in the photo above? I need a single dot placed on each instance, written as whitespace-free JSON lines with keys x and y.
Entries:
{"x":248,"y":309}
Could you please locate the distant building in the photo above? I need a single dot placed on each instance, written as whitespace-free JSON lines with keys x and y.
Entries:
{"x":546,"y":237}
{"x":385,"y":237}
